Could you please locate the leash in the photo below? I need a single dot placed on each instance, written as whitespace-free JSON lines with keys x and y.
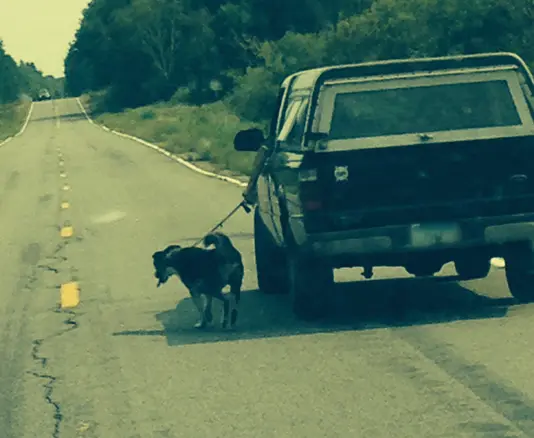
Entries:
{"x":242,"y":204}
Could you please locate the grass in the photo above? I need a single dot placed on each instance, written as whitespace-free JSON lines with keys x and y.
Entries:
{"x":200,"y":134}
{"x":12,"y":118}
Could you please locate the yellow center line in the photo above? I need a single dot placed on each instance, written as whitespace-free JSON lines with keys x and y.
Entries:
{"x":69,"y":295}
{"x":67,"y":232}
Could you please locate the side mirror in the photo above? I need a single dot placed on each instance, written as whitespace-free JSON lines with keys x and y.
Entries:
{"x":249,"y":140}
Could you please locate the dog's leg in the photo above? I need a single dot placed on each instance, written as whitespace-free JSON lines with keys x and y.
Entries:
{"x":234,"y":310}
{"x":235,"y":297}
{"x":225,"y":314}
{"x":236,"y":282}
{"x":199,"y":303}
{"x":208,"y":315}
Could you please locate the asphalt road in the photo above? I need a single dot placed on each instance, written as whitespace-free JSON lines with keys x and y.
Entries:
{"x":399,"y":359}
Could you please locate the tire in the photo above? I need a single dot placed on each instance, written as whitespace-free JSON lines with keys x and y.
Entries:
{"x":520,"y":275}
{"x":310,"y":284}
{"x":470,"y":268}
{"x":271,"y":264}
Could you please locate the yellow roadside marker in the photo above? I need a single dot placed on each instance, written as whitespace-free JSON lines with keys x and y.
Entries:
{"x":69,"y":295}
{"x":67,"y":232}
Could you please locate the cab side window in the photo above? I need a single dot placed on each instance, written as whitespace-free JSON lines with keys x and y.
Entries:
{"x":277,"y":114}
{"x":290,"y":137}
{"x":297,"y":131}
{"x":285,"y":108}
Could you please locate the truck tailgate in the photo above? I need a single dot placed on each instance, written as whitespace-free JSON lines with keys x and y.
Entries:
{"x":388,"y":186}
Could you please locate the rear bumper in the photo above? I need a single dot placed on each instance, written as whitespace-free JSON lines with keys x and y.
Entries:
{"x":474,"y":232}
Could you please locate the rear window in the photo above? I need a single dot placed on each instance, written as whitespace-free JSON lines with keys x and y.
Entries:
{"x":423,"y":109}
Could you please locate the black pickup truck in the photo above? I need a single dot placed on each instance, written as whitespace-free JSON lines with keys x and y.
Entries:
{"x":413,"y":163}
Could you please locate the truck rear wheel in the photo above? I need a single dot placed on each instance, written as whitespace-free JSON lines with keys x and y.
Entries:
{"x":271,"y":265}
{"x":520,"y":274}
{"x":310,"y":284}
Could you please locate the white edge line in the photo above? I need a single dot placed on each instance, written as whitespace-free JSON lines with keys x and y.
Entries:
{"x":7,"y":140}
{"x":164,"y":152}
{"x":27,"y":121}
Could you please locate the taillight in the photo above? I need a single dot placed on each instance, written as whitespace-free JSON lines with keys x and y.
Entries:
{"x":309,"y":190}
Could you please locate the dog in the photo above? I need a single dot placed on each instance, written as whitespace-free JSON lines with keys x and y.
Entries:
{"x":205,"y":272}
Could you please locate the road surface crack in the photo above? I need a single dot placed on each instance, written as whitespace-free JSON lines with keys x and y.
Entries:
{"x":49,"y":268}
{"x":48,"y":386}
{"x":50,"y":380}
{"x":53,"y":263}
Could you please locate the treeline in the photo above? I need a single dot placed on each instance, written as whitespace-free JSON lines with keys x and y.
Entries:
{"x":197,"y":51}
{"x":23,"y":79}
{"x":10,"y":78}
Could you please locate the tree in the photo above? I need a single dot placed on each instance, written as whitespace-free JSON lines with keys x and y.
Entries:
{"x":10,"y":78}
{"x":141,"y":51}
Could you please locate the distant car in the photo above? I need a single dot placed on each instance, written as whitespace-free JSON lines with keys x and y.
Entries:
{"x":44,"y":95}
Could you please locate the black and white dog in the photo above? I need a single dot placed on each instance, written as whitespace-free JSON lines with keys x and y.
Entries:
{"x":205,"y":272}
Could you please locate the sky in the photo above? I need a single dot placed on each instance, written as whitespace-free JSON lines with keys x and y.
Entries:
{"x":40,"y":31}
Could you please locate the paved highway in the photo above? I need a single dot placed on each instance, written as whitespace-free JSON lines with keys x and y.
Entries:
{"x":82,"y":211}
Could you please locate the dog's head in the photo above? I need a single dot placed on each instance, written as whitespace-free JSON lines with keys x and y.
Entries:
{"x":162,"y":270}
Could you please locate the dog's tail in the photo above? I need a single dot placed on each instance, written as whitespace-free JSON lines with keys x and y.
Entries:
{"x":217,"y":239}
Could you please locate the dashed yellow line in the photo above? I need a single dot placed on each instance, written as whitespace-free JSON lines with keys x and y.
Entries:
{"x":69,"y":295}
{"x":69,"y":292}
{"x":66,"y":232}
